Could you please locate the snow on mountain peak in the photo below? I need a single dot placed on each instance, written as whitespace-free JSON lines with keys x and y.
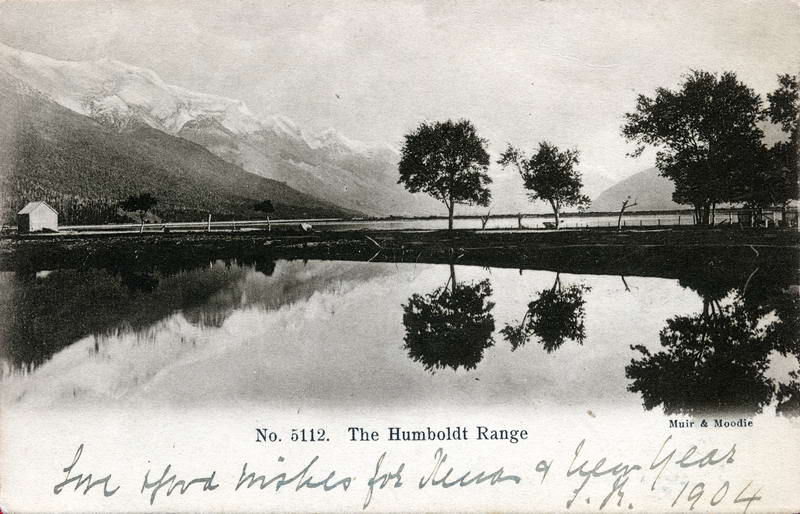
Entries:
{"x":283,"y":126}
{"x":333,"y":140}
{"x":117,"y":93}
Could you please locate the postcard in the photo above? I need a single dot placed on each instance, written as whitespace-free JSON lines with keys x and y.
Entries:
{"x":400,"y":256}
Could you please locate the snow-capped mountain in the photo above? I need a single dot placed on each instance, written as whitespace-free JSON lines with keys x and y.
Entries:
{"x":328,"y":165}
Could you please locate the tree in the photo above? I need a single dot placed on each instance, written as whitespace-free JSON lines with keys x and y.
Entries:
{"x":549,"y":175}
{"x":625,"y":204}
{"x":448,"y":161}
{"x":784,"y":110}
{"x":267,"y":208}
{"x":139,"y":203}
{"x":450,"y":327}
{"x":768,"y":175}
{"x":761,"y":182}
{"x":705,"y":133}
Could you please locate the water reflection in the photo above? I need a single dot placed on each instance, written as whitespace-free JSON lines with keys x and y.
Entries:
{"x":718,"y":360}
{"x":557,"y":315}
{"x":712,"y":361}
{"x":338,"y":332}
{"x":42,"y":313}
{"x":449,"y":327}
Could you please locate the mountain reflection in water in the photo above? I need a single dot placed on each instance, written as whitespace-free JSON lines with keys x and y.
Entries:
{"x":336,"y":333}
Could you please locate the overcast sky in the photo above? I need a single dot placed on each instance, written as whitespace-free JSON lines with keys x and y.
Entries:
{"x":521,"y":71}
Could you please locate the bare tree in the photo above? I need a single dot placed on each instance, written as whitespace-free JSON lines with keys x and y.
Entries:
{"x":625,"y":204}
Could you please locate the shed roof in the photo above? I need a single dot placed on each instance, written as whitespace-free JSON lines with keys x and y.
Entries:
{"x":32,"y":206}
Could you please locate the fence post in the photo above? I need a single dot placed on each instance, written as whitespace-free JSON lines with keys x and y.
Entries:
{"x":208,"y":229}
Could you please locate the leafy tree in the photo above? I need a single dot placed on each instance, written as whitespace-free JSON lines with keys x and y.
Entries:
{"x":706,"y":134}
{"x":557,"y":315}
{"x":450,"y":327}
{"x":267,"y":208}
{"x":768,"y":175}
{"x":549,"y":175}
{"x":139,"y":203}
{"x":784,"y":110}
{"x":448,"y":161}
{"x":761,"y":180}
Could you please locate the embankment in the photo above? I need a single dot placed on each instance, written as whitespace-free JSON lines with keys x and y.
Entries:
{"x":665,"y":253}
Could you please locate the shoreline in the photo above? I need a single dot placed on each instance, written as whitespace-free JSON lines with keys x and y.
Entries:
{"x":664,"y":252}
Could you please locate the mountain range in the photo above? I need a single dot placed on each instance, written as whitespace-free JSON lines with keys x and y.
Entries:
{"x":81,"y":133}
{"x":356,"y":176}
{"x":83,"y":168}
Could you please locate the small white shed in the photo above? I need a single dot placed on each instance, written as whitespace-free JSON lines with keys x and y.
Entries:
{"x":37,"y":216}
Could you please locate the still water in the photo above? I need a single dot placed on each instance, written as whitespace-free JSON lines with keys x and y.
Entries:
{"x":355,"y":334}
{"x":512,"y":222}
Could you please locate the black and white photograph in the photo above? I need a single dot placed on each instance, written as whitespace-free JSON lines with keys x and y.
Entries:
{"x":411,"y":255}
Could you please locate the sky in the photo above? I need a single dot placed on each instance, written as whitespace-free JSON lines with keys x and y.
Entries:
{"x":521,"y":71}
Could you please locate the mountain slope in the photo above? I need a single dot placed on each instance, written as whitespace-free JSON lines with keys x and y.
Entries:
{"x":330,"y":166}
{"x":650,"y":190}
{"x":48,"y":152}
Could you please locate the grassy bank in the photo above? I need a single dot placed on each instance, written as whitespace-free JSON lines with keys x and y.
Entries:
{"x":665,"y":253}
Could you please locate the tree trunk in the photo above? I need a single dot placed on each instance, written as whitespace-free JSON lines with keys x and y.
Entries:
{"x":702,"y":214}
{"x":557,"y":282}
{"x":555,"y":213}
{"x":452,"y":279}
{"x":622,"y":211}
{"x":269,"y":224}
{"x":450,"y":217}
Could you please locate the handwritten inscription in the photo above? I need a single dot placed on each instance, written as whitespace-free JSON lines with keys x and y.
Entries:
{"x":587,"y":467}
{"x":84,"y":481}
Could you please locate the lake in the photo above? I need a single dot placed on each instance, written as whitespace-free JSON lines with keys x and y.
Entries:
{"x":343,"y":334}
{"x":511,"y":222}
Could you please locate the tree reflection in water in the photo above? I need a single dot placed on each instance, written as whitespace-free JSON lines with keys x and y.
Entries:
{"x":716,"y":361}
{"x":557,"y":315}
{"x":449,"y":327}
{"x":712,"y":361}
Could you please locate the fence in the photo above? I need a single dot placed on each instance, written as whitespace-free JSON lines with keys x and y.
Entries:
{"x":629,"y":220}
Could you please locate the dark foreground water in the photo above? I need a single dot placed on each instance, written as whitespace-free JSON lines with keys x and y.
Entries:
{"x":323,"y":333}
